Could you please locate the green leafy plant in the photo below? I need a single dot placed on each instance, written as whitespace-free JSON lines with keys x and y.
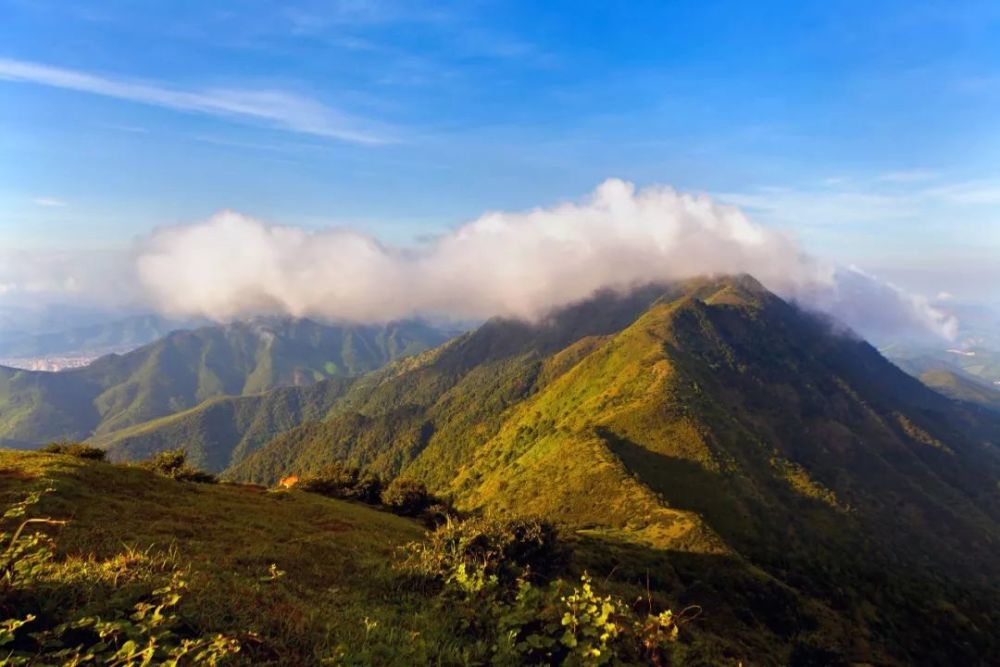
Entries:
{"x":499,"y":584}
{"x":508,"y":549}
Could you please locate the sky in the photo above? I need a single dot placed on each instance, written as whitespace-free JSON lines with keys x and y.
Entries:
{"x":867,"y":131}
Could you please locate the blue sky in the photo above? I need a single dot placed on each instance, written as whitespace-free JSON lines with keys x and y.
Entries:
{"x":869,"y":129}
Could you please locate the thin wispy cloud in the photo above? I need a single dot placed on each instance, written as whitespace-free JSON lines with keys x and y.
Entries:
{"x":49,"y":202}
{"x":274,"y":107}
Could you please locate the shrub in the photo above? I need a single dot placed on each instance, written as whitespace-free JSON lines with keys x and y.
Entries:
{"x":346,"y":482}
{"x":581,"y":627}
{"x":406,"y":497}
{"x":490,"y":570}
{"x":508,"y":549}
{"x":77,"y":449}
{"x":172,"y":463}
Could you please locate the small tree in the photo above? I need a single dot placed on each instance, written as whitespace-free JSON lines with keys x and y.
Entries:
{"x":173,"y":463}
{"x":406,"y":497}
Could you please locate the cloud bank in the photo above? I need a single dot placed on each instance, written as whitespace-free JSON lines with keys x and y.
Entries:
{"x":520,"y":264}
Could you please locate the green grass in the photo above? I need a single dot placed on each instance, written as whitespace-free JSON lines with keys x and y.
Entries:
{"x":338,"y":557}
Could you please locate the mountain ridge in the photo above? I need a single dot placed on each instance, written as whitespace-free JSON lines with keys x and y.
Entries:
{"x":185,"y":368}
{"x":717,"y":419}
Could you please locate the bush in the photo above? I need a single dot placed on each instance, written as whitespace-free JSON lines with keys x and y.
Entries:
{"x":406,"y":497}
{"x":172,"y":463}
{"x":490,"y":570}
{"x":508,"y":549}
{"x":345,"y":482}
{"x":580,"y":627}
{"x":77,"y":449}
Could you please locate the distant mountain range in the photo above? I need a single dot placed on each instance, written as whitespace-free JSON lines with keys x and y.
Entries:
{"x":186,"y":368}
{"x":94,"y":339}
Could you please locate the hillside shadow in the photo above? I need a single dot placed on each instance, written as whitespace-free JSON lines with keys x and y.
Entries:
{"x":746,"y":510}
{"x":683,"y":485}
{"x":719,"y":594}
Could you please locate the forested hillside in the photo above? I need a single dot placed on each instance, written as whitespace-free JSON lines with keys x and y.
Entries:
{"x":186,"y":368}
{"x":708,"y":419}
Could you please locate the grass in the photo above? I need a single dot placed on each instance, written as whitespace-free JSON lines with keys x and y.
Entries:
{"x":337,"y":557}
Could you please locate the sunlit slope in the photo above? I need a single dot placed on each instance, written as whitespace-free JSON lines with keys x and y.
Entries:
{"x":337,"y":557}
{"x":717,"y":415}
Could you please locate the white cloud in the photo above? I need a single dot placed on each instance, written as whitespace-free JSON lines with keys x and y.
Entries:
{"x":49,"y":202}
{"x":278,"y":108}
{"x":519,"y":264}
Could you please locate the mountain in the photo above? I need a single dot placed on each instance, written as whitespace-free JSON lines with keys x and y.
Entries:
{"x":961,"y":388}
{"x":186,"y":368}
{"x":980,"y":364}
{"x":94,"y":339}
{"x":716,"y":423}
{"x":223,"y":430}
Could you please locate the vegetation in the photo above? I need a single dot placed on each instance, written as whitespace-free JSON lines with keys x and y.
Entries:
{"x":130,"y":530}
{"x":507,"y":550}
{"x":406,"y":497}
{"x":308,"y":580}
{"x":38,"y":626}
{"x":186,"y":368}
{"x":344,"y":482}
{"x":78,"y":449}
{"x":491,"y":573}
{"x":962,"y":388}
{"x":173,"y":464}
{"x":706,"y":444}
{"x":716,"y":422}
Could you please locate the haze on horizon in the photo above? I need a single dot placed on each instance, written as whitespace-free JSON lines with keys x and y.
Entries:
{"x":497,"y":158}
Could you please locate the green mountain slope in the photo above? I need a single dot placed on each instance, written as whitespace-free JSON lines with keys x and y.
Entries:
{"x":716,"y":420}
{"x":222,"y":431}
{"x":186,"y":368}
